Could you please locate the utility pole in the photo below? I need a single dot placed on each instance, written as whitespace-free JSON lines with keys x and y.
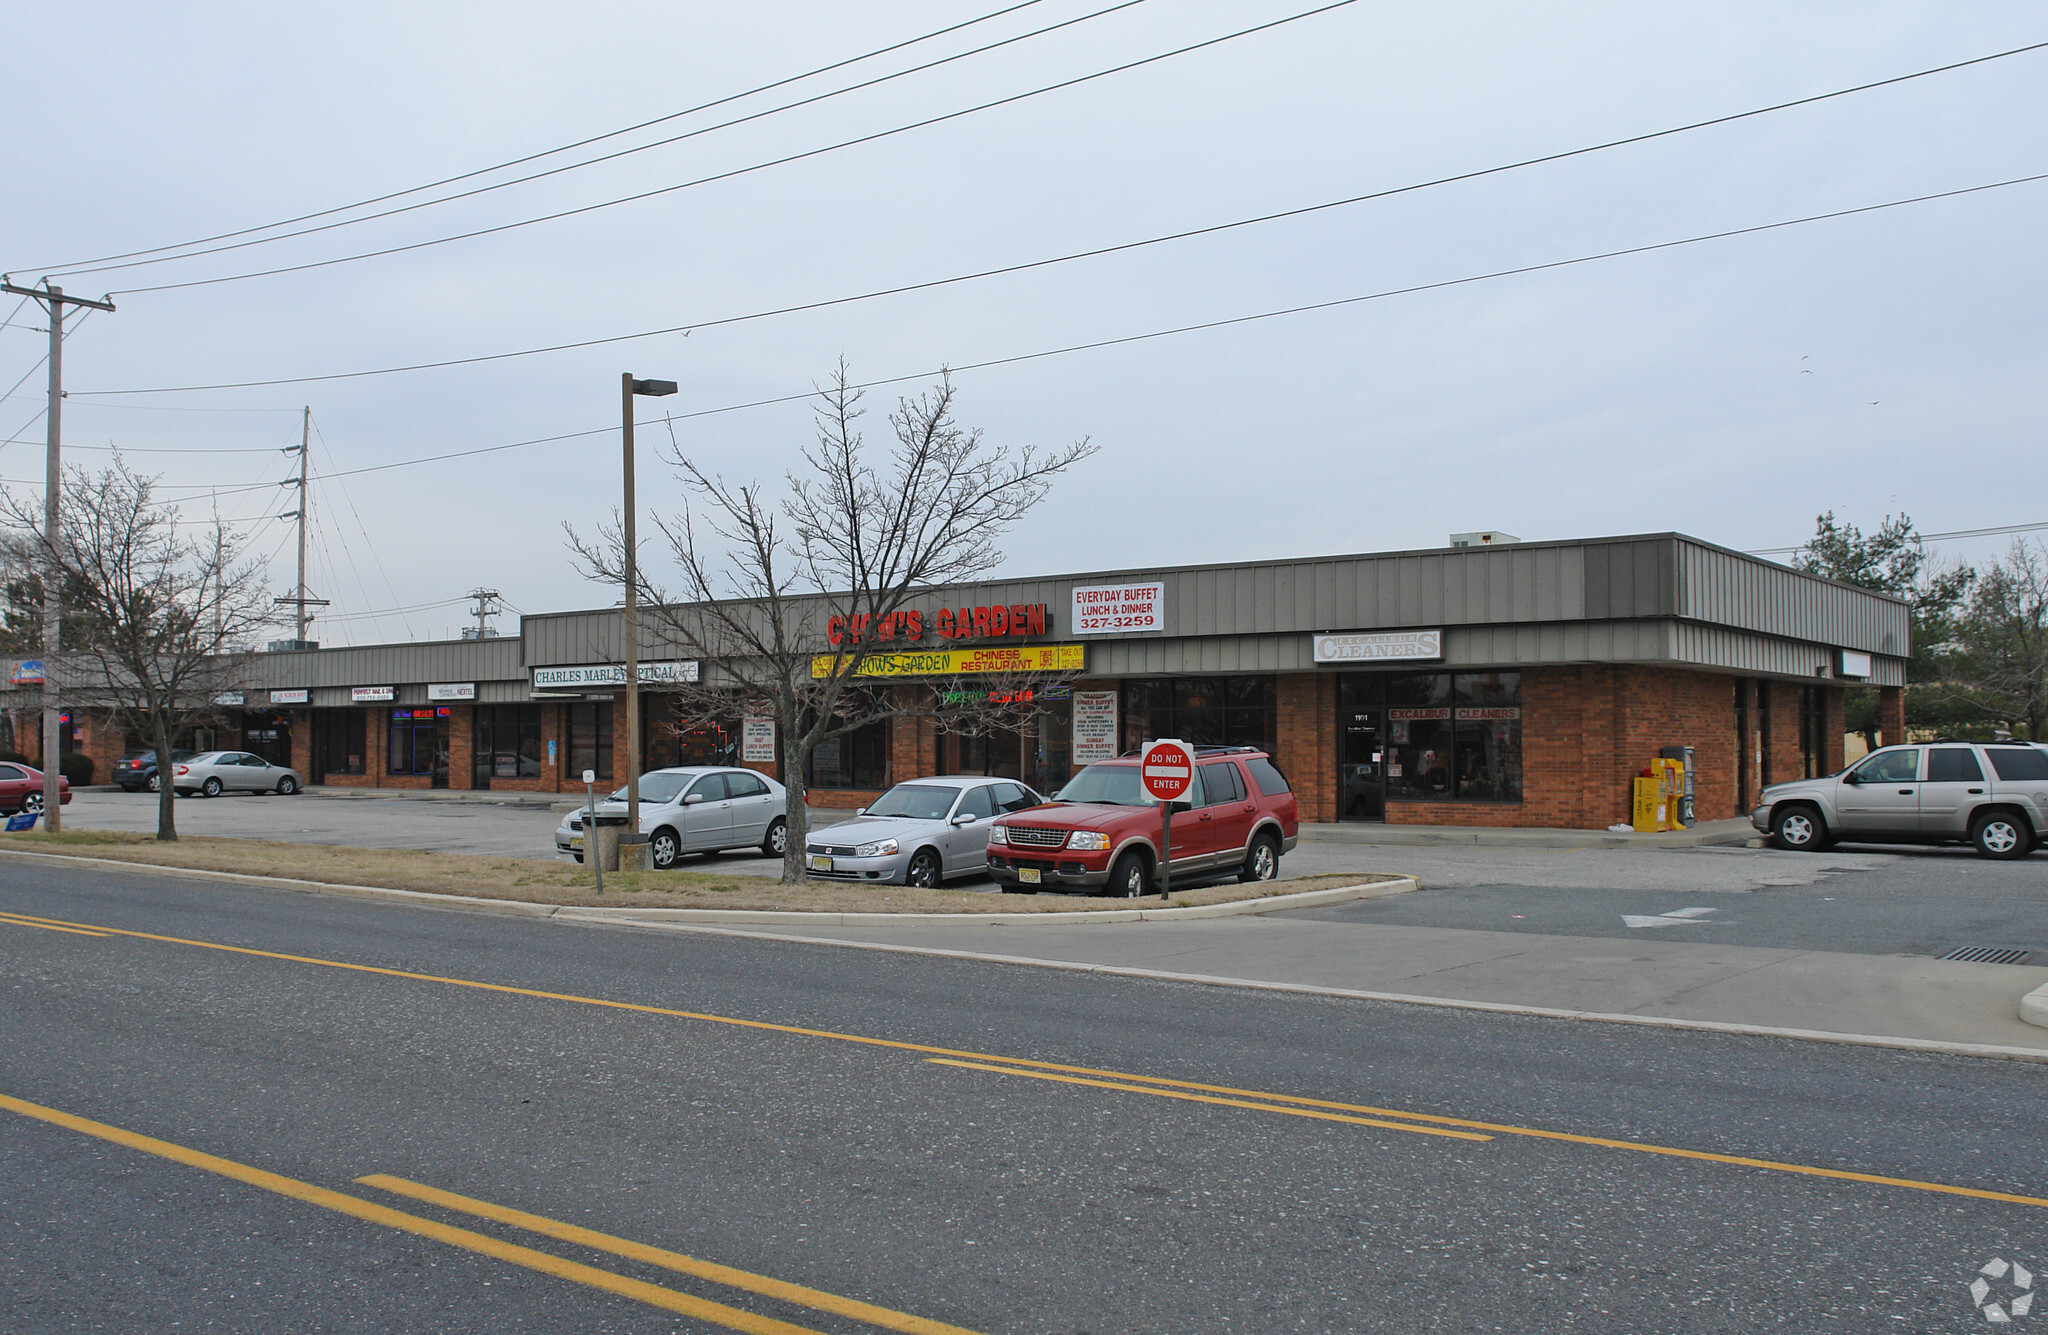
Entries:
{"x":628,"y":387}
{"x":301,"y":597}
{"x":54,"y":301}
{"x":486,"y":608}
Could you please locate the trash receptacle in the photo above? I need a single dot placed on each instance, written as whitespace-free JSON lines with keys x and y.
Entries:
{"x":601,"y":836}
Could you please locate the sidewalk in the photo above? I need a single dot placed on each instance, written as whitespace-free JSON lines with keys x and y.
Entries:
{"x":1891,"y":997}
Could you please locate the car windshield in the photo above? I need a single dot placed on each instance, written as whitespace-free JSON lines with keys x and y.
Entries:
{"x":915,"y":801}
{"x":658,"y":788}
{"x":1116,"y":785}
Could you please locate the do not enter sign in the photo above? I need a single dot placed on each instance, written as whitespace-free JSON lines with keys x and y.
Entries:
{"x":1168,"y":769}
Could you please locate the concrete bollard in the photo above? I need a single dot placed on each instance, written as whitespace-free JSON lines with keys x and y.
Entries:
{"x":634,"y":853}
{"x":601,"y":846}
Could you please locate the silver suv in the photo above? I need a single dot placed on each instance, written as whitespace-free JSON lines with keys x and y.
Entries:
{"x":1995,"y":796}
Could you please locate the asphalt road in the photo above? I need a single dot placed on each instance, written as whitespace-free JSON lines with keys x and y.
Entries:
{"x":789,"y":1111}
{"x":1911,"y":901}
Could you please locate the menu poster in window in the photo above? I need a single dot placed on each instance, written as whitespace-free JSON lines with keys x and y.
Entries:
{"x":757,"y":739}
{"x":825,"y":756}
{"x":1119,"y":609}
{"x":1094,"y":726}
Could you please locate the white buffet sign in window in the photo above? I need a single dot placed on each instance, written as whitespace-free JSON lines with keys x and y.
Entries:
{"x":1385,"y":646}
{"x":1094,"y":726}
{"x":451,"y":690}
{"x":757,"y":739}
{"x":369,"y":695}
{"x":613,"y":674}
{"x":1119,"y":609}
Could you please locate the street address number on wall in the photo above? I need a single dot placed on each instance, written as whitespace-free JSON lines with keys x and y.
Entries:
{"x":1119,"y":609}
{"x":1390,"y":646}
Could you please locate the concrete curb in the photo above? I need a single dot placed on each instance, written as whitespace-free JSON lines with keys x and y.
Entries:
{"x":2034,"y":1007}
{"x":1927,"y":1045}
{"x":1733,"y":833}
{"x":1392,"y":885}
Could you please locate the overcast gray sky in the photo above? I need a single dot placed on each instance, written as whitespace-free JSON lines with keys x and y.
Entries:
{"x":1731,"y":389}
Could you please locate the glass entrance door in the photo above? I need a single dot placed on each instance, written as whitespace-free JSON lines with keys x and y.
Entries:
{"x":1361,"y":767}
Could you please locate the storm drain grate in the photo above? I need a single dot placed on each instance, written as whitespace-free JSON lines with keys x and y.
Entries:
{"x":1990,"y":954}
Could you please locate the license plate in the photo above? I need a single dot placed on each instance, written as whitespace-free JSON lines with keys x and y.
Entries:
{"x":575,"y":841}
{"x":820,"y":863}
{"x":1028,"y":875}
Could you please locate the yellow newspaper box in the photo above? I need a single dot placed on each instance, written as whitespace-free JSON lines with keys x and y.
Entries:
{"x":1651,"y":807}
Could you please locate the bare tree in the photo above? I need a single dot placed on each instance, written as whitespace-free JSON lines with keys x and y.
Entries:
{"x":847,"y":545}
{"x":165,"y":610}
{"x":2002,"y":670}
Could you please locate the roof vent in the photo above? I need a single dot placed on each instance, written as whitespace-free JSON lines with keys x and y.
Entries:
{"x":1483,"y":538}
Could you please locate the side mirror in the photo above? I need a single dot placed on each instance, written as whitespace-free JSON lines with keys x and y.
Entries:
{"x":860,"y":811}
{"x":1852,"y":777}
{"x":965,"y":818}
{"x":692,"y":799}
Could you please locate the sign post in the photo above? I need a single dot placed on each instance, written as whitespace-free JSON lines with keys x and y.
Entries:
{"x":590,"y":827}
{"x":1167,"y":769}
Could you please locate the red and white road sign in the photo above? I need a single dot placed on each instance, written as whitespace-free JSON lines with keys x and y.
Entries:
{"x":1167,"y":768}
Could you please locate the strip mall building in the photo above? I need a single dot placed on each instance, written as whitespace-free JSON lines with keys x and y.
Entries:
{"x":1516,"y":684}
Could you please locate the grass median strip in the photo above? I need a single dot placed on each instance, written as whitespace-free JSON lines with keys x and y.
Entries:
{"x":717,"y":1314}
{"x":700,"y":884}
{"x":727,"y":1275}
{"x":1027,"y":1065}
{"x":1210,"y":1098}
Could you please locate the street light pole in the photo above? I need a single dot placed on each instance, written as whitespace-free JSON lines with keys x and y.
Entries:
{"x":628,"y":387}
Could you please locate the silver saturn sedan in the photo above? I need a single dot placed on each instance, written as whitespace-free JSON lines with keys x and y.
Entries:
{"x":918,"y":833}
{"x":214,"y":772}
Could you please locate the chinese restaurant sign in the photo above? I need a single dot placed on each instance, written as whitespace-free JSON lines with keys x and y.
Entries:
{"x":959,"y":662}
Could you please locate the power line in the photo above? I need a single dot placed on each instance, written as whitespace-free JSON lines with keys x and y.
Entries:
{"x":742,"y":171}
{"x":607,"y":157}
{"x":1224,"y":323}
{"x":1070,"y":257}
{"x":564,"y":148}
{"x":1926,"y":537}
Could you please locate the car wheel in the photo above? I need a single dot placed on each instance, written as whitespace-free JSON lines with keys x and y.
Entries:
{"x":924,"y":870}
{"x":777,"y":843}
{"x":1127,"y":879}
{"x":1799,"y":829}
{"x":1261,"y":860}
{"x":32,"y":802}
{"x":212,"y":787}
{"x":2002,"y":835}
{"x":287,"y":786}
{"x":666,"y":847}
{"x":155,"y":783}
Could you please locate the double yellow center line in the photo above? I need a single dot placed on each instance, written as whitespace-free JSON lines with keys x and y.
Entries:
{"x":1121,"y":1081}
{"x":672,"y":1300}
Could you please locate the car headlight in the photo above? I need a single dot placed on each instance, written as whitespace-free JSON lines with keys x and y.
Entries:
{"x":878,"y":848}
{"x":1088,"y":840}
{"x":998,"y":835}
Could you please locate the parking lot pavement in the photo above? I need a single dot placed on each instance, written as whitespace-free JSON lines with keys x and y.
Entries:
{"x":395,"y":822}
{"x":1903,"y":901}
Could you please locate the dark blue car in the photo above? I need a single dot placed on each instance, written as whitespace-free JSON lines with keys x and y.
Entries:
{"x":137,"y":770}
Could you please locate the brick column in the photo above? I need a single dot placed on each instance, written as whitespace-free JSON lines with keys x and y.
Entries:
{"x":462,"y":746}
{"x":1833,"y":758}
{"x":1304,"y":745}
{"x":302,"y":742}
{"x":1891,"y":715}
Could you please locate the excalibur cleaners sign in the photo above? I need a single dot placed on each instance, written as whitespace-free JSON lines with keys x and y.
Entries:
{"x":1378,"y":646}
{"x":613,"y":674}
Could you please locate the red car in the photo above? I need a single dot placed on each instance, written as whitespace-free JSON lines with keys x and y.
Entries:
{"x":21,"y":789}
{"x":1102,"y":832}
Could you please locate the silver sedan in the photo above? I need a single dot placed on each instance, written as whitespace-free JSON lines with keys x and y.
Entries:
{"x":215,"y":772}
{"x":918,"y":833}
{"x":694,"y":809}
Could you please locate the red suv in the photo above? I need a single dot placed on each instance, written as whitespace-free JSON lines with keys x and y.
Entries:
{"x":1102,"y":832}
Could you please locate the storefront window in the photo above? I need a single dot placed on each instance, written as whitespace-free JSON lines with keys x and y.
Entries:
{"x":856,"y":759}
{"x":507,"y":744}
{"x":338,"y":742}
{"x":1428,"y":737}
{"x":1207,"y":711}
{"x":590,"y":740}
{"x":419,"y":742}
{"x":1813,"y":718}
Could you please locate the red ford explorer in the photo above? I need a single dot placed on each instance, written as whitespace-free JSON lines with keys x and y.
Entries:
{"x":1102,"y":832}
